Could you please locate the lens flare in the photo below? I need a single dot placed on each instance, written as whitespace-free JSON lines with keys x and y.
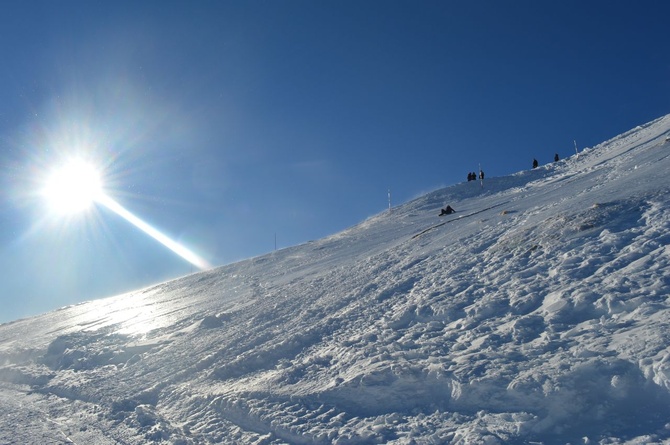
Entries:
{"x":174,"y":246}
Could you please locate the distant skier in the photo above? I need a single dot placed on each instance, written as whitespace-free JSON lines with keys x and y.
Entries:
{"x":534,"y":163}
{"x":556,"y":157}
{"x":447,"y":211}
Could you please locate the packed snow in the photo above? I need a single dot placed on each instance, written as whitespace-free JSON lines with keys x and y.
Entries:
{"x":538,"y":313}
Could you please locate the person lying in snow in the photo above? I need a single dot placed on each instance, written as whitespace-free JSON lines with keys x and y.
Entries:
{"x":447,"y":211}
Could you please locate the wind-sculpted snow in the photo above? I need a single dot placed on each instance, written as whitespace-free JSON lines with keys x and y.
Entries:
{"x":537,"y":313}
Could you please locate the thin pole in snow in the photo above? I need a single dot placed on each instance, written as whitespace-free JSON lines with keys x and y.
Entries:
{"x":275,"y":240}
{"x":389,"y":200}
{"x":576,"y":151}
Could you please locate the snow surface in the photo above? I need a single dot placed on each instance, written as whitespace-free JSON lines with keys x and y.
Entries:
{"x":538,"y":313}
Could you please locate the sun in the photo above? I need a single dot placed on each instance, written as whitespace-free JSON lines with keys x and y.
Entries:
{"x":72,"y":187}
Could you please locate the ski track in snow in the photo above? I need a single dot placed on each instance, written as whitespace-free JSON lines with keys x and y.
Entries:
{"x":538,"y":313}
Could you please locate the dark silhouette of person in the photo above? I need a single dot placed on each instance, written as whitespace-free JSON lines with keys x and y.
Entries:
{"x":556,"y":157}
{"x":481,"y":174}
{"x":534,"y":163}
{"x":469,"y":176}
{"x":447,"y":211}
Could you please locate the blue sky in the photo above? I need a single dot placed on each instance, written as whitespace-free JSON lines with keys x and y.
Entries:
{"x":224,"y":123}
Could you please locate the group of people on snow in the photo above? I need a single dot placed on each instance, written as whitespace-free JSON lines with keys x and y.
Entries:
{"x":472,"y":176}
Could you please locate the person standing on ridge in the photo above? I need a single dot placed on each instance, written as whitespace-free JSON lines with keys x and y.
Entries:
{"x":534,"y":163}
{"x":556,"y":157}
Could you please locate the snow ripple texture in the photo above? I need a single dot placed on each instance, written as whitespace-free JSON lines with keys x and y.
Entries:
{"x":537,"y":313}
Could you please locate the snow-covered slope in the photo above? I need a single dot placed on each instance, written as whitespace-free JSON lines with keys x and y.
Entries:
{"x":538,"y":313}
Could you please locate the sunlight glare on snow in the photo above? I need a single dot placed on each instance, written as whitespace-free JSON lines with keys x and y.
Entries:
{"x":129,"y":314}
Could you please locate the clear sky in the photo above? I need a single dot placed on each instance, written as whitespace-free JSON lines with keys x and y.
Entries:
{"x":223,"y":124}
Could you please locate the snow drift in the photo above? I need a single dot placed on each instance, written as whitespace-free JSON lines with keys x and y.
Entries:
{"x":537,"y":313}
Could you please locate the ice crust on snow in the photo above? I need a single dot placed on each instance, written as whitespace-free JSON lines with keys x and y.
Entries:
{"x":538,"y":313}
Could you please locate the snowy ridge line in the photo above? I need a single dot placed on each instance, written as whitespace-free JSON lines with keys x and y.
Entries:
{"x":458,"y":219}
{"x":640,"y":143}
{"x":661,"y":123}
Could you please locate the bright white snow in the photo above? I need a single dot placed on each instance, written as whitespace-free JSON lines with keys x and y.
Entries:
{"x":538,"y":313}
